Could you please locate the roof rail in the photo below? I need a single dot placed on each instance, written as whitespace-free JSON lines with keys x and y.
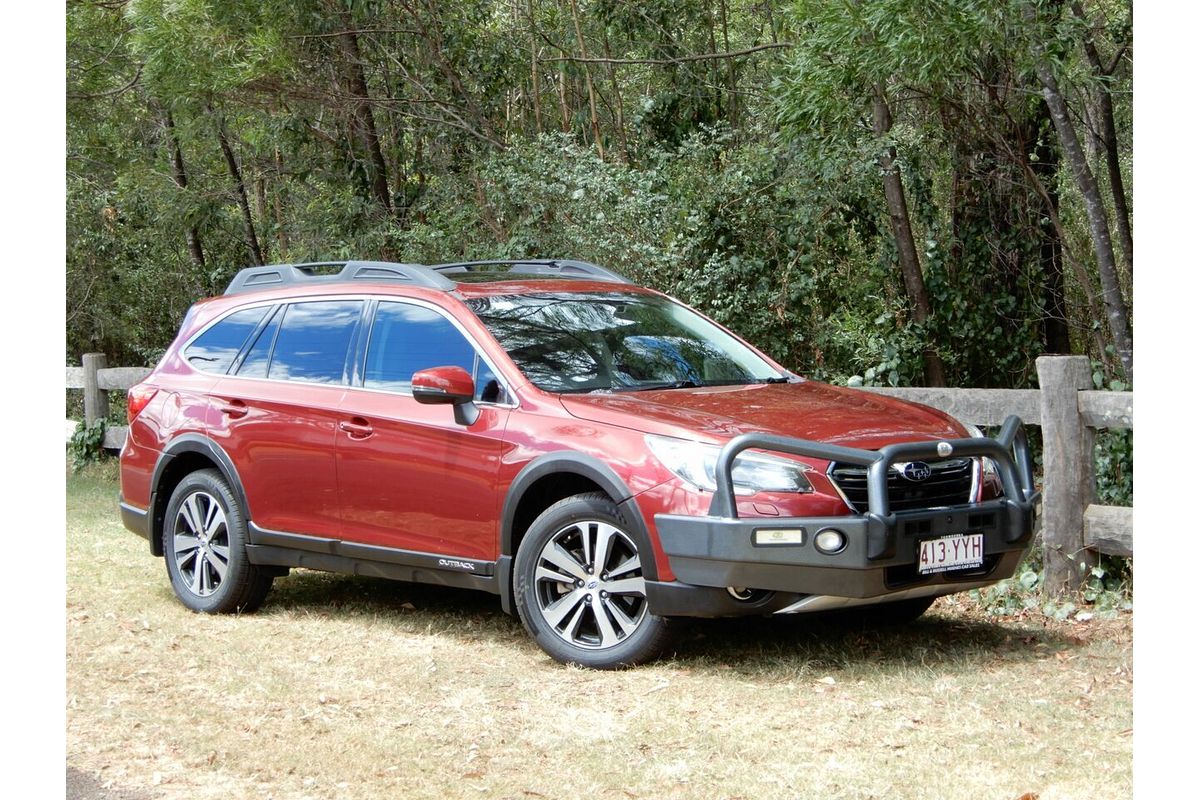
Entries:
{"x":550,"y":267}
{"x":273,"y":276}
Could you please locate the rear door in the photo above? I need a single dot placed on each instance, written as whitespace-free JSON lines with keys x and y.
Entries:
{"x":409,"y":477}
{"x":280,"y":412}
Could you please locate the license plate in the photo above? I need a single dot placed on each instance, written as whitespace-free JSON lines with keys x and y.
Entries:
{"x":961,"y":551}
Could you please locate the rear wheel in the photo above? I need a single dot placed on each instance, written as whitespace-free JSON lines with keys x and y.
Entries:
{"x":204,"y":545}
{"x":580,"y":587}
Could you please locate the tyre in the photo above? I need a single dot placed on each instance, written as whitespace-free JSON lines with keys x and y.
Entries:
{"x":204,"y":545}
{"x":579,"y":587}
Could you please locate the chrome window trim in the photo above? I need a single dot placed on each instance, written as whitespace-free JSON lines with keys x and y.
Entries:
{"x":286,"y":304}
{"x":191,"y":339}
{"x":515,"y":402}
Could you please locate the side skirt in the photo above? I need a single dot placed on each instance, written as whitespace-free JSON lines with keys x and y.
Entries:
{"x":278,"y":549}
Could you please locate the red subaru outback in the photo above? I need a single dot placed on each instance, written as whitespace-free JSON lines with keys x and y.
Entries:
{"x":598,"y":455}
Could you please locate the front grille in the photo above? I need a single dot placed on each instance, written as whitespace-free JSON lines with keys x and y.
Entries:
{"x":949,"y":484}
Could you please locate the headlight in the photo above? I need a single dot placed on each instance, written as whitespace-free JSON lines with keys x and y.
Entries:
{"x":989,"y":466}
{"x":696,"y":463}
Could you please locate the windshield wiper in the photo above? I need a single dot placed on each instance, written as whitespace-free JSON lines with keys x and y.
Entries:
{"x":653,"y":387}
{"x":775,"y":380}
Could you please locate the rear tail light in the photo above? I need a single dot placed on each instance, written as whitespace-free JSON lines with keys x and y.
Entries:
{"x":138,"y":398}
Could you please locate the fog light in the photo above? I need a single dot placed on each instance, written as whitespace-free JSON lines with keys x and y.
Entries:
{"x":830,"y":541}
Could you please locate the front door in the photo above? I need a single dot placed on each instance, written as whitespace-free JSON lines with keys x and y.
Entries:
{"x":409,"y":477}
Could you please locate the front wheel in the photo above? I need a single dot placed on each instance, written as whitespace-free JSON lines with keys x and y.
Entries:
{"x":580,"y":587}
{"x":204,"y":545}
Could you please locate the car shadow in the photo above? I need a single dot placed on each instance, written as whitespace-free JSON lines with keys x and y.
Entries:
{"x":418,"y":606}
{"x":835,"y":642}
{"x":750,"y":644}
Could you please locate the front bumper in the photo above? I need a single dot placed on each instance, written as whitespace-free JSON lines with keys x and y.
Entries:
{"x":882,"y":547}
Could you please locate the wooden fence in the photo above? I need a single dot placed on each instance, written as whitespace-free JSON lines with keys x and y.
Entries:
{"x":97,"y":379}
{"x":1073,"y":527}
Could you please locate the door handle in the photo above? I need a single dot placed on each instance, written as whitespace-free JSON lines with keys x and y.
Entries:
{"x":235,"y":409}
{"x":357,"y":428}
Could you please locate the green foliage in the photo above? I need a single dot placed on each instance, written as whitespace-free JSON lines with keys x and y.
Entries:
{"x":87,"y":444}
{"x":1114,"y":453}
{"x":1107,"y":591}
{"x":749,"y":186}
{"x":1114,"y":468}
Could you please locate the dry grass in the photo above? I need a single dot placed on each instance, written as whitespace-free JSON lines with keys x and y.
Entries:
{"x":354,"y":688}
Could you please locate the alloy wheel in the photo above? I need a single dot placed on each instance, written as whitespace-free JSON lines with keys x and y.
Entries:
{"x":201,"y":543}
{"x":589,"y":585}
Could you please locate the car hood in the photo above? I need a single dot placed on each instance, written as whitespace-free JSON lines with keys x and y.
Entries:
{"x":805,"y":410}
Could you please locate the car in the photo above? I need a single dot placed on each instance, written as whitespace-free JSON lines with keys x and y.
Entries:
{"x":601,"y":457}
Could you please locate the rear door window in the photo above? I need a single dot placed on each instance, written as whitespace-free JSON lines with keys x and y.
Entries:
{"x":215,"y":349}
{"x":313,"y":341}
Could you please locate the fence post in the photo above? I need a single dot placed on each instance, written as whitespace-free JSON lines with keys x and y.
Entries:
{"x":95,"y":399}
{"x":1068,"y":480}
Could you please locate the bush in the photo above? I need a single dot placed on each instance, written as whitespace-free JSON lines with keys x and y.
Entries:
{"x":87,"y":444}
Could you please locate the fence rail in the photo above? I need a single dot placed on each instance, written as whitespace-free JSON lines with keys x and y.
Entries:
{"x":1073,"y":527}
{"x":97,"y":379}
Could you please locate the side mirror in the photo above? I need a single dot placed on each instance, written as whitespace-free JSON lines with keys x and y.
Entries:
{"x":447,"y":386}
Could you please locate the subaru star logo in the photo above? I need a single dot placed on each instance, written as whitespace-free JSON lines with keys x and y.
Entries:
{"x":916,"y":471}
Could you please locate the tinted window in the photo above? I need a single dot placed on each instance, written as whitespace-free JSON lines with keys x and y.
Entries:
{"x":313,"y":341}
{"x":407,"y":338}
{"x":255,"y":364}
{"x":215,"y":349}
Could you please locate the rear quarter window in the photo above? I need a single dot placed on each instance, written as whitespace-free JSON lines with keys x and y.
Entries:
{"x":215,"y":349}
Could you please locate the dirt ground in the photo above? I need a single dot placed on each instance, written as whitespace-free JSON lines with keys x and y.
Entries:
{"x":345,"y":687}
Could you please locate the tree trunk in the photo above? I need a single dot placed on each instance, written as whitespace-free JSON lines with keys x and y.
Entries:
{"x":1108,"y":127}
{"x":1108,"y":140}
{"x":179,"y":174}
{"x":620,"y":108}
{"x":1056,"y":336}
{"x":255,"y":252}
{"x":730,"y":69}
{"x":906,"y":248}
{"x":563,"y":112}
{"x":260,"y":198}
{"x":536,"y":95}
{"x":587,"y":74}
{"x":363,"y":119}
{"x":277,"y":196}
{"x":1118,"y":315}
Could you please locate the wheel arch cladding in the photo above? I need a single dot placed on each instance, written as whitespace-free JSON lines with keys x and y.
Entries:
{"x":554,"y":476}
{"x":179,"y":459}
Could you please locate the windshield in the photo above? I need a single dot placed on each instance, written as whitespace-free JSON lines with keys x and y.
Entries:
{"x":616,"y":341}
